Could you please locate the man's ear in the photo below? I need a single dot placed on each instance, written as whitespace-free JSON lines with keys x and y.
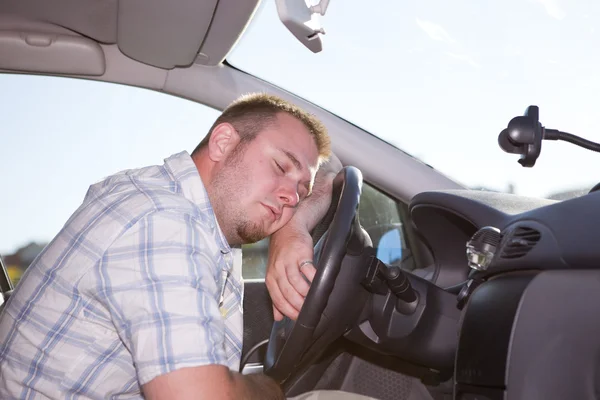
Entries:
{"x":223,"y":139}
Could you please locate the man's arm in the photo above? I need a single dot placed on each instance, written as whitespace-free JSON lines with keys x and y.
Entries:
{"x":211,"y":382}
{"x":292,"y":245}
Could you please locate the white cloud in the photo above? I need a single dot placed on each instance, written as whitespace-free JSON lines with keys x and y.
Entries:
{"x":435,"y":31}
{"x":552,"y":8}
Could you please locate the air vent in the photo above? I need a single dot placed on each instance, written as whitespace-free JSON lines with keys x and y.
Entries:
{"x":520,"y":242}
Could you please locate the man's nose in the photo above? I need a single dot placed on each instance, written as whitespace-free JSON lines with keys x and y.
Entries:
{"x":288,"y":194}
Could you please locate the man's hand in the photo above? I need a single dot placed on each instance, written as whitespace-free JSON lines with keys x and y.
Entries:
{"x":290,"y":269}
{"x":290,"y":247}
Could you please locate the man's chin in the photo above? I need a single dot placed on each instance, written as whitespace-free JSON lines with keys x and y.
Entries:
{"x":251,"y":237}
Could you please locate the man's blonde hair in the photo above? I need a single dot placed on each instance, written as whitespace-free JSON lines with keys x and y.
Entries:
{"x":252,"y":113}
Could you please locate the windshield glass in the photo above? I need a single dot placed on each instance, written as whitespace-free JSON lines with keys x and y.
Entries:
{"x":441,"y":79}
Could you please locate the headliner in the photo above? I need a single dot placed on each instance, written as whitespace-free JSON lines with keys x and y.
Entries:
{"x":160,"y":33}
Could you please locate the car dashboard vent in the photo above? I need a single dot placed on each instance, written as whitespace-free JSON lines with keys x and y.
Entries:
{"x":520,"y":242}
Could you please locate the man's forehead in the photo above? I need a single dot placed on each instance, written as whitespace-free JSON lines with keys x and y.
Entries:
{"x":291,"y":137}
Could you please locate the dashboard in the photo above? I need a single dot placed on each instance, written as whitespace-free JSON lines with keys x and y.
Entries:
{"x":446,"y":220}
{"x":525,"y":331}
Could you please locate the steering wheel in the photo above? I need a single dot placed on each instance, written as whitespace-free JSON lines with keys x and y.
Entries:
{"x":335,"y":298}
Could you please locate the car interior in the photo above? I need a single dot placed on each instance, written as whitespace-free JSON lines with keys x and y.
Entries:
{"x":493,"y":294}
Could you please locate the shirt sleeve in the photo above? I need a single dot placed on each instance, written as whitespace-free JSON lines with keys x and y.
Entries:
{"x":162,"y":279}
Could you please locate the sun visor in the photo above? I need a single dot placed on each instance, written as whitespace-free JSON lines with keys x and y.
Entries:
{"x":230,"y":19}
{"x":50,"y":53}
{"x":165,"y":34}
{"x":96,"y":19}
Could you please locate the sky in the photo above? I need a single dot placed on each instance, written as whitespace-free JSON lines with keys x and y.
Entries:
{"x":437,"y":79}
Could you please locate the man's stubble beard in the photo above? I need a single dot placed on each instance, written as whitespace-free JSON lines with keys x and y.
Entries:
{"x":229,"y":184}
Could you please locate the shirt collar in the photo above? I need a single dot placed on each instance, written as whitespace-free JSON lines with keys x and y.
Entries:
{"x":185,"y":173}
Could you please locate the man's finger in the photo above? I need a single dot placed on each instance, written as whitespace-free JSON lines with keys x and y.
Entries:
{"x":297,"y":280}
{"x":279,"y":301}
{"x":290,"y":294}
{"x":277,"y":315}
{"x":309,"y":271}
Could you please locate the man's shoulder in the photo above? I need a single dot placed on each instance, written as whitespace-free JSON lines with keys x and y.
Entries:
{"x":154,"y":194}
{"x":147,"y":189}
{"x":135,"y":198}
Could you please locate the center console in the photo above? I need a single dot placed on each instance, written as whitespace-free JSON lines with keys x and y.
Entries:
{"x":531,"y":335}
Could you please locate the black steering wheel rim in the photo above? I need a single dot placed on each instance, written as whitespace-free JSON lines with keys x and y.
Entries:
{"x":290,"y":341}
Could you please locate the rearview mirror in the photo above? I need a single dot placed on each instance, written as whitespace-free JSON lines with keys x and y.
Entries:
{"x":297,"y":17}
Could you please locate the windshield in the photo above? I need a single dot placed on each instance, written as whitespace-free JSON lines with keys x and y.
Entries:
{"x":441,"y":79}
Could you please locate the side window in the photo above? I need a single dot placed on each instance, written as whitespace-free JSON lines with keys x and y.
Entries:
{"x":60,"y":135}
{"x":380,"y":216}
{"x":254,"y":260}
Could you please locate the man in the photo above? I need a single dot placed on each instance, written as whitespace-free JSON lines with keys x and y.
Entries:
{"x":139,"y":295}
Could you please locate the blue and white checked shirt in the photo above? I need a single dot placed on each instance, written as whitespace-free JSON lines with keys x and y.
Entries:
{"x":131,"y":288}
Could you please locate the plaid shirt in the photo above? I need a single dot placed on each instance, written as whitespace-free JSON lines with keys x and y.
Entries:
{"x":138,"y":283}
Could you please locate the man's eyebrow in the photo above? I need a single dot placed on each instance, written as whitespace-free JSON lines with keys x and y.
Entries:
{"x":293,"y":158}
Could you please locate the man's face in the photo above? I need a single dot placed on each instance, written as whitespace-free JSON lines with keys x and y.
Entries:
{"x":258,"y":187}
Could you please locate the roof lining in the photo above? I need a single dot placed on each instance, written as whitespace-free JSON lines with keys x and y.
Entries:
{"x":164,"y":34}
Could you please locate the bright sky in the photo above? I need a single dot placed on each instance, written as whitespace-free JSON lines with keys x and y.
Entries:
{"x":437,"y":79}
{"x":61,"y":135}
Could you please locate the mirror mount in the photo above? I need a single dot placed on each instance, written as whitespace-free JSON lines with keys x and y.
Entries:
{"x":297,"y":17}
